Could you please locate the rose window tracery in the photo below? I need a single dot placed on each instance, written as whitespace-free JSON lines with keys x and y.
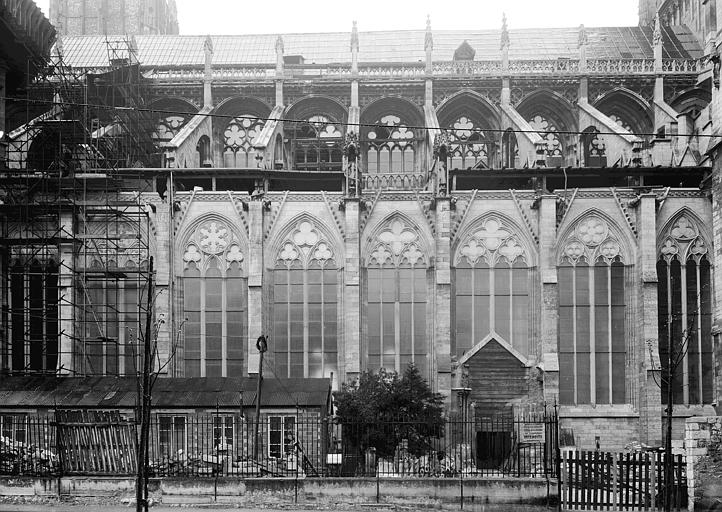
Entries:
{"x":168,"y":127}
{"x":239,"y":135}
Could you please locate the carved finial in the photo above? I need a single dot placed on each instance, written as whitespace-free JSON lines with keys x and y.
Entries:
{"x":504,"y":32}
{"x":429,"y":39}
{"x":279,"y":45}
{"x":354,"y":37}
{"x":208,"y":44}
{"x":583,"y":37}
{"x":657,"y":37}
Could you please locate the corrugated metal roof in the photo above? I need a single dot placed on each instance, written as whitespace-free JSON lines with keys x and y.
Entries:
{"x":168,"y":393}
{"x":388,"y":46}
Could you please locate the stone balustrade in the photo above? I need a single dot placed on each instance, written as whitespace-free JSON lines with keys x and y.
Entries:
{"x":394,"y":181}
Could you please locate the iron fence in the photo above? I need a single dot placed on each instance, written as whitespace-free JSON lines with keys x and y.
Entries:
{"x":285,"y":445}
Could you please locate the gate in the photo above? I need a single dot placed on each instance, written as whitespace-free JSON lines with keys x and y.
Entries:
{"x":627,"y":481}
{"x":95,"y":442}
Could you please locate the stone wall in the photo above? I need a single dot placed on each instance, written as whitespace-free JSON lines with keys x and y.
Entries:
{"x":703,"y":443}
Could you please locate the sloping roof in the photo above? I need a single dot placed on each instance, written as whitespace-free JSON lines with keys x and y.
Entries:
{"x":387,"y":46}
{"x":168,"y":393}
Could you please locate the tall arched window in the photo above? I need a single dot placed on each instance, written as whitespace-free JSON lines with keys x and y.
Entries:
{"x":391,"y":146}
{"x":214,"y":302}
{"x":317,"y":144}
{"x":238,"y":139}
{"x":685,"y":314}
{"x":592,"y":308}
{"x":305,"y":306}
{"x":29,"y":339}
{"x":593,"y":148}
{"x":492,"y":289}
{"x":396,"y":300}
{"x":468,"y":144}
{"x":510,"y":149}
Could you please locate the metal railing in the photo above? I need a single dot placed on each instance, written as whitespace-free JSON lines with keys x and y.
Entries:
{"x":286,"y":445}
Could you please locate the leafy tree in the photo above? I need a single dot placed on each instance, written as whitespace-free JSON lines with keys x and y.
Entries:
{"x":383,"y":409}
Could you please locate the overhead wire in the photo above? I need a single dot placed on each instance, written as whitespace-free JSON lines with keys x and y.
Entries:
{"x":341,"y":123}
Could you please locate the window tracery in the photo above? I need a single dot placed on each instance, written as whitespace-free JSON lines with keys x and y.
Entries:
{"x":592,"y":309}
{"x":317,"y":144}
{"x":396,"y":299}
{"x":492,"y":288}
{"x":685,"y":312}
{"x":238,"y":141}
{"x":391,"y":146}
{"x":548,"y":130}
{"x":468,"y":144}
{"x":168,"y":127}
{"x":305,"y":305}
{"x":214,"y":301}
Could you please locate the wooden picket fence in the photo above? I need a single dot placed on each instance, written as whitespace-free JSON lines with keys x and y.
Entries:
{"x":626,"y":481}
{"x":95,"y":442}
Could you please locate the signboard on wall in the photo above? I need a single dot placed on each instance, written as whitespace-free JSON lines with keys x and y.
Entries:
{"x":532,"y":432}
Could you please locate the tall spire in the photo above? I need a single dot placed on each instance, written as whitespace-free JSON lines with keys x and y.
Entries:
{"x":504,"y":32}
{"x":429,"y":39}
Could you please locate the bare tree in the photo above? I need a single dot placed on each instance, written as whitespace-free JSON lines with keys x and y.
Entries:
{"x":677,"y":350}
{"x":152,"y":368}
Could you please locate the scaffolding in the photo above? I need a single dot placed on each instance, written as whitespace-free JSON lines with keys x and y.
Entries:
{"x":75,"y":220}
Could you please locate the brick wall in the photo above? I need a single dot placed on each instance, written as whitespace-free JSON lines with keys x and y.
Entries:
{"x":614,"y":433}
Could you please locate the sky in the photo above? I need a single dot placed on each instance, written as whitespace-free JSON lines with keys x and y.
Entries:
{"x":288,"y":16}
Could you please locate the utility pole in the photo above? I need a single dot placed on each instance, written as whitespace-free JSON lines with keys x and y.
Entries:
{"x":262,"y":346}
{"x":141,"y":486}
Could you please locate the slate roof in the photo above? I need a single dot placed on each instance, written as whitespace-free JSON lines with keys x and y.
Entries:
{"x":404,"y":46}
{"x":168,"y":393}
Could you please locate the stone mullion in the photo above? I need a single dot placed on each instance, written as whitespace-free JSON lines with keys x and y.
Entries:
{"x":255,"y":282}
{"x":349,"y":347}
{"x":698,"y":312}
{"x":574,"y":334}
{"x":592,"y":335}
{"x":203,"y":321}
{"x":548,"y":299}
{"x":684,"y":346}
{"x":305,"y":322}
{"x":397,"y":321}
{"x":641,"y":311}
{"x":224,"y":324}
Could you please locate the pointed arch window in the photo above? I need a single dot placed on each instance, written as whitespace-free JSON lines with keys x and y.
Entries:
{"x":317,"y":144}
{"x":468,"y":144}
{"x":30,"y":314}
{"x":492,"y":285}
{"x":214,"y":303}
{"x":391,"y":147}
{"x":593,"y":147}
{"x":548,"y":131}
{"x":396,"y":301}
{"x":305,"y":306}
{"x":592,"y":317}
{"x":238,"y":139}
{"x":685,"y":314}
{"x":112,"y":305}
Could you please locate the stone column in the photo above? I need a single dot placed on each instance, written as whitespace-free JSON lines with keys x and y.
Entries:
{"x":717,"y":275}
{"x":549,"y":295}
{"x":255,"y":281}
{"x":66,"y":293}
{"x":442,"y":334}
{"x":351,"y":364}
{"x":163,"y":276}
{"x":646,"y":349}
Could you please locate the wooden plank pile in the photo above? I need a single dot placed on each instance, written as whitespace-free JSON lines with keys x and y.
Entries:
{"x":96,"y":442}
